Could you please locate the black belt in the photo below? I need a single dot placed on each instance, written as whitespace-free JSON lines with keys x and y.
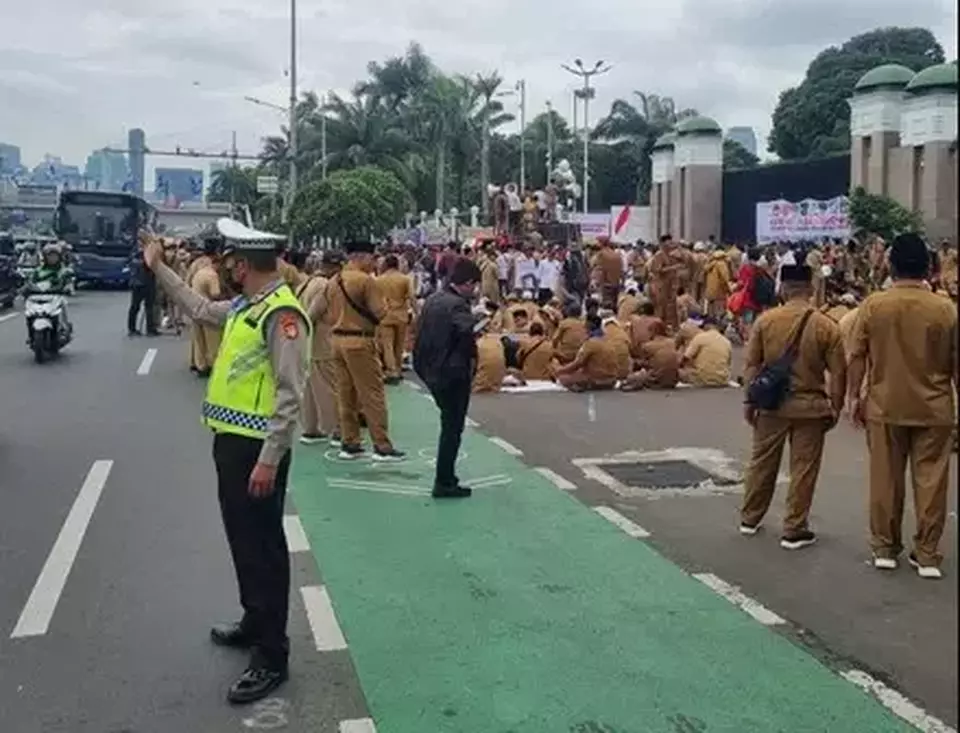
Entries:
{"x":352,"y":332}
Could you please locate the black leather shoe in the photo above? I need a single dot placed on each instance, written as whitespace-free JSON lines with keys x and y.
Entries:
{"x":451,"y":492}
{"x":231,"y":635}
{"x":255,"y":684}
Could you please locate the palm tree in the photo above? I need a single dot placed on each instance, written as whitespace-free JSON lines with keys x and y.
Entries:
{"x":487,"y":86}
{"x":235,"y":185}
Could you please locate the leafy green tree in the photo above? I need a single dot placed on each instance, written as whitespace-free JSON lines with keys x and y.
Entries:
{"x":812,"y":120}
{"x":874,"y":214}
{"x":234,"y":185}
{"x":737,"y":157}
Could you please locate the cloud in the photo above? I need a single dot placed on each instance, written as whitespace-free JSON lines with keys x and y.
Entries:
{"x":76,"y":76}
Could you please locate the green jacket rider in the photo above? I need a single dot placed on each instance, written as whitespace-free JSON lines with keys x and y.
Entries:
{"x":52,"y":270}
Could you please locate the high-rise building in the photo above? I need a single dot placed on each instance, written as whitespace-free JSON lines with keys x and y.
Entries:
{"x":745,"y":136}
{"x":52,"y":171}
{"x":137,"y":143}
{"x":179,"y":184}
{"x":106,"y":170}
{"x":9,"y":159}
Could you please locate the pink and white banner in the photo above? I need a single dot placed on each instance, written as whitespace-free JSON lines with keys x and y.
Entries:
{"x":810,"y":219}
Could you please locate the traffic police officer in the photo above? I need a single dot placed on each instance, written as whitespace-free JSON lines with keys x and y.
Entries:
{"x":252,"y":405}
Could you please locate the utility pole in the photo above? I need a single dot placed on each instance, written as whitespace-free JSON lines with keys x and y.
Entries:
{"x":549,"y":141}
{"x":522,"y":91}
{"x":586,"y":75}
{"x":233,"y":174}
{"x":323,"y":139}
{"x":292,"y":151}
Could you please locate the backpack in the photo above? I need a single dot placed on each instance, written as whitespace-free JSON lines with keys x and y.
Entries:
{"x":764,"y":289}
{"x":576,"y":274}
{"x":769,"y":389}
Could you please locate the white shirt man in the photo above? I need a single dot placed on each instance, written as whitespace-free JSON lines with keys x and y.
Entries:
{"x":548,"y":274}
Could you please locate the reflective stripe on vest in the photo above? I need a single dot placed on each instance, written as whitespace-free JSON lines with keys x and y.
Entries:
{"x":242,"y":389}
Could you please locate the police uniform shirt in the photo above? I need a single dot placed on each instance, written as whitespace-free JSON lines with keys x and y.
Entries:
{"x":287,"y":341}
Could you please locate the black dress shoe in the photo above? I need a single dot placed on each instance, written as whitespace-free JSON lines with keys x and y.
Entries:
{"x":451,"y":492}
{"x":255,"y":684}
{"x":231,"y":635}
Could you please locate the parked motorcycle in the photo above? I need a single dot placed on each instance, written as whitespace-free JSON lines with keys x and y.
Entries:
{"x":48,"y":329}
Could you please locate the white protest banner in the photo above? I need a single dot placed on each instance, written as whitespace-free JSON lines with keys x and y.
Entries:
{"x":810,"y":219}
{"x":592,"y":226}
{"x":629,"y":223}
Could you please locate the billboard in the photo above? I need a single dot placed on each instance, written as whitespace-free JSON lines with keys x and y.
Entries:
{"x":807,"y":220}
{"x":178,"y":184}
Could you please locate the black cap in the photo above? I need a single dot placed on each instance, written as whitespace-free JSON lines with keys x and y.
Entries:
{"x":331,"y":257}
{"x":796,"y":274}
{"x":464,"y":271}
{"x":356,"y":247}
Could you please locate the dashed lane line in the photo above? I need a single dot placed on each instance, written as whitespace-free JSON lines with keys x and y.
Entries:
{"x":363,"y":725}
{"x":618,"y":520}
{"x":556,"y":479}
{"x":471,"y":423}
{"x":505,"y":446}
{"x":323,"y":621}
{"x":897,"y":703}
{"x":739,"y":599}
{"x":9,"y":316}
{"x":296,"y":537}
{"x":147,"y":362}
{"x":38,"y":611}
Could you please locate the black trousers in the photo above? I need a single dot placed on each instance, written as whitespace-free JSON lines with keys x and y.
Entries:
{"x":144,"y":295}
{"x":453,"y":400}
{"x":258,"y":545}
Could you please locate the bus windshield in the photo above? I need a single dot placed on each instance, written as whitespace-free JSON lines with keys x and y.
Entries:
{"x":83,"y":222}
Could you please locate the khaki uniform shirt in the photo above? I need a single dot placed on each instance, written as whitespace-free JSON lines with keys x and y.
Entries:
{"x":362,"y":289}
{"x":662,"y":361}
{"x":710,"y":355}
{"x":568,"y":338}
{"x":313,"y":298}
{"x":396,"y":290}
{"x":491,"y":364}
{"x":535,"y":356}
{"x":909,"y":336}
{"x":598,"y":359}
{"x":820,"y":350}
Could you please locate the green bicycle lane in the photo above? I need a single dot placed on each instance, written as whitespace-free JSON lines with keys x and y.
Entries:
{"x":520,"y":610}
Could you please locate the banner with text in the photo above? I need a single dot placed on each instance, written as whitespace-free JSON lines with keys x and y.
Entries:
{"x":785,"y":221}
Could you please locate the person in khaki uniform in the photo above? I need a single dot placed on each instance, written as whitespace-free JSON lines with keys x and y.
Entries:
{"x":595,"y":366}
{"x":204,"y":279}
{"x":717,"y":284}
{"x":489,"y":275}
{"x":628,"y":306}
{"x":904,"y":342}
{"x":319,"y":413}
{"x":707,"y":359}
{"x":354,"y":295}
{"x":806,"y":414}
{"x":491,"y":364}
{"x":657,"y":363}
{"x":620,"y":340}
{"x":396,"y":289}
{"x":535,"y":355}
{"x":608,"y":267}
{"x":570,"y":335}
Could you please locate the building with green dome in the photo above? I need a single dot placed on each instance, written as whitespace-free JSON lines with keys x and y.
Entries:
{"x":903,"y":129}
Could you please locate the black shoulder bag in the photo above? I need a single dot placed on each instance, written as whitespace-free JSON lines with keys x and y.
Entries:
{"x":361,"y":309}
{"x":769,"y":389}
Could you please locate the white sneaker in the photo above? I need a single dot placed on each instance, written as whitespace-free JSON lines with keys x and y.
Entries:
{"x":930,"y":572}
{"x":885,"y":563}
{"x":747,"y":531}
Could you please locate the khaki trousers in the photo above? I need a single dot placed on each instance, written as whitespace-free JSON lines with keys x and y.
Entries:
{"x":204,"y":344}
{"x":392,"y":339}
{"x":806,"y":438}
{"x":927,"y":451}
{"x":319,"y":400}
{"x":359,"y":381}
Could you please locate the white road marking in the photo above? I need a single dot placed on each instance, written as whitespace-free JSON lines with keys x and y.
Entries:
{"x":296,"y":537}
{"x":897,"y":703}
{"x":471,"y":423}
{"x":618,"y":520}
{"x":364,"y":725}
{"x":411,"y":489}
{"x":733,"y":594}
{"x":412,"y":385}
{"x":38,"y":611}
{"x":147,"y":362}
{"x":9,"y":316}
{"x":508,"y":447}
{"x":591,"y":408}
{"x":556,"y":479}
{"x":323,"y":621}
{"x":268,"y":714}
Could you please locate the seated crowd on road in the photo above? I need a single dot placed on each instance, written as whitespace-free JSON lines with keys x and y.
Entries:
{"x":657,"y":317}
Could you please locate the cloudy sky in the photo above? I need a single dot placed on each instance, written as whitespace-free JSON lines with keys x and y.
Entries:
{"x":76,"y":75}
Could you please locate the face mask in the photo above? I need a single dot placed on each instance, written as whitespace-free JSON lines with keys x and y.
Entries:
{"x":229,"y":281}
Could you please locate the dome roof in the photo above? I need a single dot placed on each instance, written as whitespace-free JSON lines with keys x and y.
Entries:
{"x":941,"y":76}
{"x":888,"y":75}
{"x":665,"y":141}
{"x":698,"y":126}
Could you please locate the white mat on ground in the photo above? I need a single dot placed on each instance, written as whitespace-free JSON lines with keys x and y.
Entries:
{"x":533,"y":385}
{"x":684,"y":385}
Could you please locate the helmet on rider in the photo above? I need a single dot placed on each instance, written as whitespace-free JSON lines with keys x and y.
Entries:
{"x":51,"y":254}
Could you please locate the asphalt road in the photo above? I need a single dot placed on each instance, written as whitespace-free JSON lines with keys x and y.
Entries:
{"x":900,"y":629}
{"x":126,"y":648}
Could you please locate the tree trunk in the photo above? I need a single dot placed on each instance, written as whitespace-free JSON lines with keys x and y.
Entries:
{"x":485,"y":163}
{"x":441,"y":168}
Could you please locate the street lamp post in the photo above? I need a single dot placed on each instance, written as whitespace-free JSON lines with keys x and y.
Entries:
{"x":293,"y":113}
{"x":520,"y":90}
{"x":586,"y":75}
{"x":549,"y":141}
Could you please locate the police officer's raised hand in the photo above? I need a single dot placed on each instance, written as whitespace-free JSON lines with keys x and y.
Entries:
{"x":262,"y":480}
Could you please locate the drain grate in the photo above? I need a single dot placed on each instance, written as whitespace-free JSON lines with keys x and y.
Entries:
{"x":670,"y":474}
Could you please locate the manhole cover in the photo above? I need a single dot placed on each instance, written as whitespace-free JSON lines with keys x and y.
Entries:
{"x":663,"y":475}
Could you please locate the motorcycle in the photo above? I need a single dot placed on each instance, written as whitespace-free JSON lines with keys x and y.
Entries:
{"x":48,"y":329}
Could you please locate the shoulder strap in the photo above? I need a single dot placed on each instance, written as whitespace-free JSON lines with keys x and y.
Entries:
{"x":526,"y":355}
{"x":794,"y":344}
{"x":362,"y":310}
{"x":303,"y":286}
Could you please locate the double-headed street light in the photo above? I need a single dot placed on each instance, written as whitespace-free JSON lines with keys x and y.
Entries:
{"x":578,"y":69}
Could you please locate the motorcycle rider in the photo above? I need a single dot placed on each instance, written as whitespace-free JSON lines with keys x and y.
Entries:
{"x":54,"y":271}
